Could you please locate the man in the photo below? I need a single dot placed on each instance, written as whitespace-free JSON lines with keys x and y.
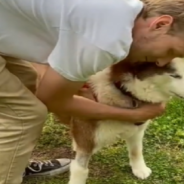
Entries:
{"x":30,"y":75}
{"x":76,"y":38}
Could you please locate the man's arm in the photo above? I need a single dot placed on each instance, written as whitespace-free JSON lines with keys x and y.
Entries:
{"x":57,"y":93}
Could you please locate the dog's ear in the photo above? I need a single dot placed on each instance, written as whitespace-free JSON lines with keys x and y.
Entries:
{"x":119,"y":69}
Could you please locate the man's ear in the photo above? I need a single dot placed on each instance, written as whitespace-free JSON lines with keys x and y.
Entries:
{"x":163,"y":22}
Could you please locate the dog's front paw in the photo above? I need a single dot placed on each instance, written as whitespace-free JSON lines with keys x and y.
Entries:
{"x":142,"y":172}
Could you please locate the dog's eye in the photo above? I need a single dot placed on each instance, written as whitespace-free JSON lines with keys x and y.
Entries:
{"x":176,"y":76}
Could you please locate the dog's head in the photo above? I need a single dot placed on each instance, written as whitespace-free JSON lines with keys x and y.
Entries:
{"x":150,"y":83}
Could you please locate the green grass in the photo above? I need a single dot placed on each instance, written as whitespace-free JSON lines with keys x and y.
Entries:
{"x":163,"y":151}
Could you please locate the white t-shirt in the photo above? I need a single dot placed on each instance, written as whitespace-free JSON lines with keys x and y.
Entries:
{"x":76,"y":37}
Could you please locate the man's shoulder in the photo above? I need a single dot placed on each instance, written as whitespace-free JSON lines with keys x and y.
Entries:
{"x":105,"y":23}
{"x":103,"y":13}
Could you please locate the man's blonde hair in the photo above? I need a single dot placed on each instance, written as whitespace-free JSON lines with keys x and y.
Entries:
{"x":174,"y":8}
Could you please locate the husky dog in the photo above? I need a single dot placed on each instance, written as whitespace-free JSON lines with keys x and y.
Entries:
{"x":144,"y":82}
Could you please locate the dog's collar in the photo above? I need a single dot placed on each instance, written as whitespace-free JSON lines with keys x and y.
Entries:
{"x":123,"y":90}
{"x":86,"y":85}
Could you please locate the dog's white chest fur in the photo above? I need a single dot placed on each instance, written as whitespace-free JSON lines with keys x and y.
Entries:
{"x":109,"y":131}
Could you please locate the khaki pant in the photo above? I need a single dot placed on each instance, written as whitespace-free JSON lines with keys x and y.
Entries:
{"x":22,"y":117}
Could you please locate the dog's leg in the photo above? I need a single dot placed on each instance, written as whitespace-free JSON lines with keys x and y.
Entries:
{"x":135,"y":148}
{"x":79,"y":168}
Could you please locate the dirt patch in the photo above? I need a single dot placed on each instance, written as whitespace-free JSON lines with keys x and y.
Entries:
{"x":53,"y":153}
{"x":99,"y":170}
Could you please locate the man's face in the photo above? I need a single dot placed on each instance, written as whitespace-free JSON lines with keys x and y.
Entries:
{"x":151,"y":41}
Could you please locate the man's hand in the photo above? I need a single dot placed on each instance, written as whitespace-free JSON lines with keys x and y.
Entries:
{"x":58,"y":94}
{"x":148,"y":111}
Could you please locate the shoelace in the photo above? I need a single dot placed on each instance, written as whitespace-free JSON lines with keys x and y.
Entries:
{"x":39,"y":164}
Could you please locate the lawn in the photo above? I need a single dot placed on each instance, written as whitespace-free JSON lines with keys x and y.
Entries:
{"x":163,"y":150}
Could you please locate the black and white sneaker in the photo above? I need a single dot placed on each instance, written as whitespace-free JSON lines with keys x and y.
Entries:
{"x":47,"y":168}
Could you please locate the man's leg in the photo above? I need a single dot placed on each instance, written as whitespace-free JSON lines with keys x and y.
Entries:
{"x":25,"y":71}
{"x":22,"y":117}
{"x":30,"y":74}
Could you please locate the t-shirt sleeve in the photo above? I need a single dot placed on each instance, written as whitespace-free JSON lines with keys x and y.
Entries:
{"x":76,"y":59}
